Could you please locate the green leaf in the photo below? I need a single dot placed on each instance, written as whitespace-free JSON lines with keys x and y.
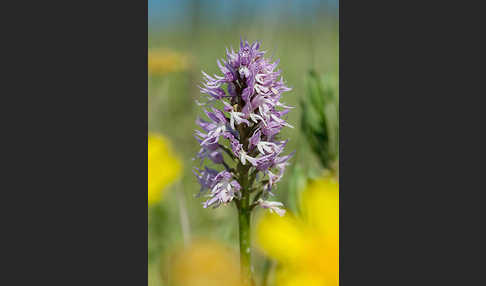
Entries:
{"x":320,"y":117}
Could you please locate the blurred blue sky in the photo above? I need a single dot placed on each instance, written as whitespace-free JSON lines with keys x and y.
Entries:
{"x":171,"y":13}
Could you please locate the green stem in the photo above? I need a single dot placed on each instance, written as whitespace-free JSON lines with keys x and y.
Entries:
{"x":244,"y":211}
{"x":244,"y":217}
{"x":244,"y":220}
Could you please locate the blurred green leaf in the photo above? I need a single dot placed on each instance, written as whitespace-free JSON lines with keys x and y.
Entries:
{"x":297,"y":183}
{"x":320,"y":117}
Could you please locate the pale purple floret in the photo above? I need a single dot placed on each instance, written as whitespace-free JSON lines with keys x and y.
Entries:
{"x":272,"y":206}
{"x":254,"y":140}
{"x":205,"y":178}
{"x":212,"y":153}
{"x":224,"y":190}
{"x":250,"y":103}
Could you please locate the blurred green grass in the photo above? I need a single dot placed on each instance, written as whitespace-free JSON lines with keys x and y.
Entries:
{"x":172,"y":112}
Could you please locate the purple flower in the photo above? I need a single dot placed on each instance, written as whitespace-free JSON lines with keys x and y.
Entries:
{"x":224,"y":189}
{"x":205,"y":178}
{"x":254,"y":139}
{"x":245,"y":127}
{"x":211,"y":152}
{"x":272,"y":206}
{"x":216,"y":128}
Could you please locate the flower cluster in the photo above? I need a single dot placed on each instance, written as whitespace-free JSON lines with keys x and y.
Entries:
{"x":249,"y":118}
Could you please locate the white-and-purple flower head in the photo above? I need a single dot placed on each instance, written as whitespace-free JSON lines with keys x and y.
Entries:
{"x":245,"y":127}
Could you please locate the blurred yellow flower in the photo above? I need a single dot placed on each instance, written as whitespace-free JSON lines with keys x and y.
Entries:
{"x":205,"y":263}
{"x":163,"y":166}
{"x":161,"y":62}
{"x":307,"y":247}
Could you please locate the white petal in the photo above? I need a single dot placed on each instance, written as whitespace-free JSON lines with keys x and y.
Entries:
{"x":260,"y":148}
{"x":243,"y":158}
{"x":232,"y":121}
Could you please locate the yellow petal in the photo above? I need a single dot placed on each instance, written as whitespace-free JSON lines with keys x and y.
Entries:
{"x":318,"y":264}
{"x":289,"y":277}
{"x":280,"y":237}
{"x":163,"y":166}
{"x":322,"y":259}
{"x":320,"y":206}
